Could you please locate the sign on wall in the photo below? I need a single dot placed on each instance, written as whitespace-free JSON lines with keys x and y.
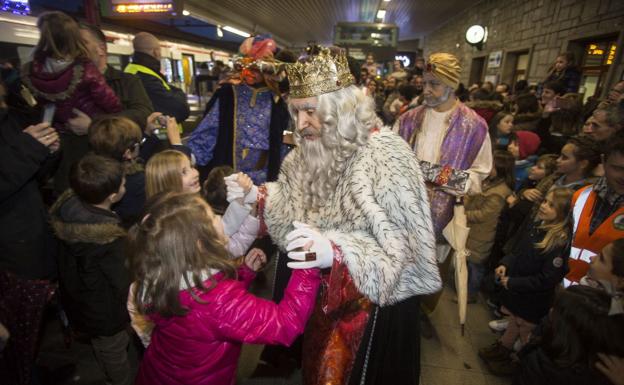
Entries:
{"x":495,"y":59}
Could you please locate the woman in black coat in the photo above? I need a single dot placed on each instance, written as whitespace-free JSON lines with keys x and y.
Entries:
{"x":26,"y":242}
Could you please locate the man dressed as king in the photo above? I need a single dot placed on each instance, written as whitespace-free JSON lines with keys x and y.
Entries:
{"x":350,"y":199}
{"x":451,"y":142}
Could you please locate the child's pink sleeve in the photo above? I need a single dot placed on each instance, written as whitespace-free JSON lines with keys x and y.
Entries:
{"x":103,"y":96}
{"x":243,"y":317}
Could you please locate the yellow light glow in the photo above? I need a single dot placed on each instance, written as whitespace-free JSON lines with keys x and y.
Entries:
{"x":143,"y":8}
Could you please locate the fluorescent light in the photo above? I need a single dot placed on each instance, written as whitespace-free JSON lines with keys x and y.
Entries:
{"x":219,"y":31}
{"x":186,"y":13}
{"x":236,"y":31}
{"x":381,"y":14}
{"x":387,"y":1}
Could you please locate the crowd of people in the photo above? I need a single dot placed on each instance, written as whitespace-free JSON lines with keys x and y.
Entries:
{"x":130,"y":236}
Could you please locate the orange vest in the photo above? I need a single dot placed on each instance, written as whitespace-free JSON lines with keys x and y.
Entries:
{"x":584,"y":245}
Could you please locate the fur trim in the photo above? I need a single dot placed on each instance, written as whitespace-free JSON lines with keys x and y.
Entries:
{"x":131,"y":168}
{"x":77,"y":73}
{"x":379,"y":216}
{"x":71,"y":232}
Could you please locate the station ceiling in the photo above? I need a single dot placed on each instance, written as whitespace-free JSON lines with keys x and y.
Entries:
{"x":295,"y":22}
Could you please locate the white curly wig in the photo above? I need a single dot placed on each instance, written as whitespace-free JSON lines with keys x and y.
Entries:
{"x":347,"y":117}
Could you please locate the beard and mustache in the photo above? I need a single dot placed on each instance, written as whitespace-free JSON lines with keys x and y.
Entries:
{"x":432,"y":101}
{"x":320,"y":166}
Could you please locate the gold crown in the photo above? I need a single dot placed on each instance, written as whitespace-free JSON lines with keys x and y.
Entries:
{"x":323,"y":73}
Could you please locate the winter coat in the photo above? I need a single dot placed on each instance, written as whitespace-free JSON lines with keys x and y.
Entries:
{"x":26,"y":241}
{"x":79,"y":85}
{"x":536,"y":368}
{"x":93,"y":276}
{"x":533,"y":274}
{"x":521,"y":170}
{"x":570,"y":78}
{"x":172,"y":101}
{"x":136,"y":106}
{"x":130,"y":207}
{"x":482,"y":213}
{"x":203,"y":346}
{"x":486,"y":108}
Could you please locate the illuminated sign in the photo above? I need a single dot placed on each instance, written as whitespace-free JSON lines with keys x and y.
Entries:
{"x":17,"y":7}
{"x":595,"y":50}
{"x":140,"y":7}
{"x":611,"y":55}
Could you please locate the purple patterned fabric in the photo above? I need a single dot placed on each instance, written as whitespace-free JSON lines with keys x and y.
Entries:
{"x":253,"y":119}
{"x":22,"y":302}
{"x":461,"y":145}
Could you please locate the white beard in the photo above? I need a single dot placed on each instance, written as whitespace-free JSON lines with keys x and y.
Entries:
{"x":319,"y":171}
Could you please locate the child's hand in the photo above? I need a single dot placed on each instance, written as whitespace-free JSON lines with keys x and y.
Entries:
{"x":255,"y":259}
{"x":511,"y":200}
{"x":532,"y":195}
{"x":612,"y":367}
{"x":245,"y":182}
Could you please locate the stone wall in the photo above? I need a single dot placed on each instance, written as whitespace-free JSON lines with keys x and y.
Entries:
{"x":542,"y":27}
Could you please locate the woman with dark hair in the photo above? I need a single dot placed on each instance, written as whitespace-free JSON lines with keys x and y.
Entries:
{"x":581,"y":326}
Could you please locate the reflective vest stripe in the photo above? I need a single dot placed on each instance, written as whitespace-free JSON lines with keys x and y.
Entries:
{"x":581,"y":254}
{"x":133,"y":68}
{"x":579,"y":205}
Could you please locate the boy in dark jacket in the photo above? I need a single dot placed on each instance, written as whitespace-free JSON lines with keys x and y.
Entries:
{"x":93,"y":278}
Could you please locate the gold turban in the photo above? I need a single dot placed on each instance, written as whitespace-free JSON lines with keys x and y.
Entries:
{"x":445,"y":67}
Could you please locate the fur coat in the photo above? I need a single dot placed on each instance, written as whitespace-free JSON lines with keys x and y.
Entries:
{"x":378,"y":215}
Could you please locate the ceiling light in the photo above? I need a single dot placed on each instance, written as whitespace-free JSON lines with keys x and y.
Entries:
{"x":186,"y":13}
{"x":219,"y":31}
{"x":236,"y":31}
{"x":381,"y":14}
{"x":387,"y":1}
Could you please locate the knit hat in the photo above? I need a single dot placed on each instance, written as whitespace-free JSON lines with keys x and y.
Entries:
{"x":528,"y":143}
{"x":445,"y":67}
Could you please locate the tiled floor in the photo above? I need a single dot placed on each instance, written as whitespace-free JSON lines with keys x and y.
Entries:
{"x":447,"y":359}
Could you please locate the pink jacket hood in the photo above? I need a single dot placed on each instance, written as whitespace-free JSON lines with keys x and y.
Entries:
{"x":203,"y":347}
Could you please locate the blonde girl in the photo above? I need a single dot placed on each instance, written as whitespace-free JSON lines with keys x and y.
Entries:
{"x":530,"y":273}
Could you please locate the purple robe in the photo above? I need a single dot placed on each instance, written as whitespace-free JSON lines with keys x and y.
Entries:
{"x":461,"y":145}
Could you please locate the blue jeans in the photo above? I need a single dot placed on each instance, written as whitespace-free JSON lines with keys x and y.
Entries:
{"x":476,"y":272}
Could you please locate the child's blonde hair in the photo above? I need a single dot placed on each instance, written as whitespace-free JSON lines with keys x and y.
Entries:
{"x":163,"y":172}
{"x":60,"y":37}
{"x":176,"y":242}
{"x":558,"y":231}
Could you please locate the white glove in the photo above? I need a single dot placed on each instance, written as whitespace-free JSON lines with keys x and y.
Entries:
{"x":234,"y":190}
{"x":304,"y":235}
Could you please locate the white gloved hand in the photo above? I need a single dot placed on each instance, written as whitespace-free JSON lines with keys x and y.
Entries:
{"x":305,"y":236}
{"x":234,"y":190}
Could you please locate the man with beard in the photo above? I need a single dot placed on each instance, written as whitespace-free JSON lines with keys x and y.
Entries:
{"x":244,"y":123}
{"x":451,"y":142}
{"x":350,"y":199}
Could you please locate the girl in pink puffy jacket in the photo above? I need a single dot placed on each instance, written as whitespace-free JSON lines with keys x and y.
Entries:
{"x":62,"y":73}
{"x":197,"y":298}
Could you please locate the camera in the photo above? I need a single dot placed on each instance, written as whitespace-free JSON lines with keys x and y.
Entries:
{"x":161,"y":130}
